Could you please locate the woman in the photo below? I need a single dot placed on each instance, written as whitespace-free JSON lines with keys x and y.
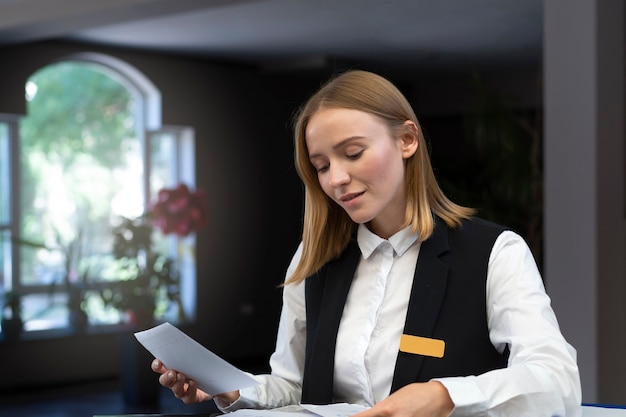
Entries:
{"x":398,"y":298}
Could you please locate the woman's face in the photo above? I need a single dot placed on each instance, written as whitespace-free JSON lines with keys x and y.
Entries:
{"x":360,"y":165}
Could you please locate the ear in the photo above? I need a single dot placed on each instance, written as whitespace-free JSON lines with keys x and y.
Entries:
{"x":409,"y":138}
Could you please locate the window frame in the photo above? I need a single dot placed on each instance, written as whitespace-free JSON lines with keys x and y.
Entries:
{"x":148,"y":124}
{"x":13,"y":178}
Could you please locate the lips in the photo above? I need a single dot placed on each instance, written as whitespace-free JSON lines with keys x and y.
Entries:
{"x":349,"y":197}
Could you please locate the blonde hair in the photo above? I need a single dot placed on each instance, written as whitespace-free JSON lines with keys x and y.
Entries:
{"x":327,"y":229}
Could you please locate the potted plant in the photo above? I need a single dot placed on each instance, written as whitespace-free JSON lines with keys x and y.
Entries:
{"x":148,"y":277}
{"x":12,"y":323}
{"x":145,"y":275}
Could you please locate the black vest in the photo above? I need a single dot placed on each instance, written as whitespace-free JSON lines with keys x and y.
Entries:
{"x":447,"y":302}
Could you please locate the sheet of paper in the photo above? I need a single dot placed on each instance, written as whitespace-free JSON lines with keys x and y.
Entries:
{"x":589,"y":411}
{"x":335,"y":410}
{"x":276,"y":412}
{"x":304,"y":410}
{"x":180,"y":352}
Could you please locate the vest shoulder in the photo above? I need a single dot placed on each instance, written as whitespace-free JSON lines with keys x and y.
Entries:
{"x":480,"y":223}
{"x":476,"y":231}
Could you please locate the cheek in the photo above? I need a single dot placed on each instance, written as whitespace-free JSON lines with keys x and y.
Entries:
{"x":379,"y":170}
{"x":325,"y":186}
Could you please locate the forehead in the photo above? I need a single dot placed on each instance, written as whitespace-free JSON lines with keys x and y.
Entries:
{"x":341,"y":123}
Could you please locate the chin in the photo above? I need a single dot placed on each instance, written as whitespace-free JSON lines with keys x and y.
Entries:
{"x":360,"y":219}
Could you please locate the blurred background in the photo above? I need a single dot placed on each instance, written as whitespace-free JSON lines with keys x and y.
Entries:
{"x":146,"y":165}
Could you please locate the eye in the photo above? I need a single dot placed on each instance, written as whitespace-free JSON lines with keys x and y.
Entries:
{"x":321,"y":169}
{"x":355,"y":155}
{"x":320,"y":166}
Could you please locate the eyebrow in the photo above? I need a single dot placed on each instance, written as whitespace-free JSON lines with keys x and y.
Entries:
{"x":338,"y":145}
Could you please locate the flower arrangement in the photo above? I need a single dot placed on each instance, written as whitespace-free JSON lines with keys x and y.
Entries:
{"x":180,"y":211}
{"x":146,"y":276}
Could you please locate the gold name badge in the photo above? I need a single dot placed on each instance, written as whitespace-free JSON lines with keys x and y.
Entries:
{"x":422,"y":346}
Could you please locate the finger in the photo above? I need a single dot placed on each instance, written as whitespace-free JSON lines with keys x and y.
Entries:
{"x":168,"y":379}
{"x":190,"y":395}
{"x":157,"y":366}
{"x":180,"y":385}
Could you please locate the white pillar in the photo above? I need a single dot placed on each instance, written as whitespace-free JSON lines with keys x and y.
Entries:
{"x":584,"y":187}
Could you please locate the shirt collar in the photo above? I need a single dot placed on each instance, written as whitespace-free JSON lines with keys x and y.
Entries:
{"x":369,"y":242}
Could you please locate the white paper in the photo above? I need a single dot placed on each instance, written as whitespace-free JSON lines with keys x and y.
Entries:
{"x":346,"y":410}
{"x":180,"y":352}
{"x":335,"y":410}
{"x":589,"y":411}
{"x":292,"y":410}
{"x":304,"y":410}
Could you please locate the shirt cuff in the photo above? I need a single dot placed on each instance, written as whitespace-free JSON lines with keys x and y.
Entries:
{"x":468,"y":399}
{"x":244,"y":401}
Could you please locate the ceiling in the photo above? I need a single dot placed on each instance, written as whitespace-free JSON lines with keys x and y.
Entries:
{"x":409,"y":34}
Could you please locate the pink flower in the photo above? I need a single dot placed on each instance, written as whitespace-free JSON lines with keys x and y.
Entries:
{"x":180,"y":211}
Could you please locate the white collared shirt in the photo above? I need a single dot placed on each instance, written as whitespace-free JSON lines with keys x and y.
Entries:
{"x":542,"y":376}
{"x":374,"y":316}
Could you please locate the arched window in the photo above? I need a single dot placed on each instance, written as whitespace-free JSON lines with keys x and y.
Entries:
{"x":88,"y":159}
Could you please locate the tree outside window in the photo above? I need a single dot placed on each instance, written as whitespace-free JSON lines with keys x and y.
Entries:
{"x":85,"y":165}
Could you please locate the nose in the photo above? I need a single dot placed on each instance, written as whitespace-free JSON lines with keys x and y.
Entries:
{"x":338,"y":176}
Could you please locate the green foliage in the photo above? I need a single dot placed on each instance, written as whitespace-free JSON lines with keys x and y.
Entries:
{"x":76,"y":146}
{"x":149,"y":281}
{"x":77,"y":109}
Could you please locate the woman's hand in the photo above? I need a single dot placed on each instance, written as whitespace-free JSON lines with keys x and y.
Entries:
{"x":186,"y":389}
{"x":425,"y":399}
